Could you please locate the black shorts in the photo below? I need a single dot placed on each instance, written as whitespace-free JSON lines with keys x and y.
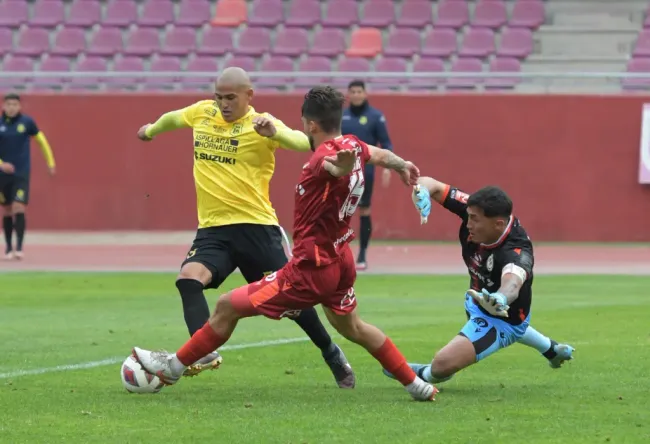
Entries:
{"x":366,"y":197}
{"x":14,"y":189}
{"x":255,"y":249}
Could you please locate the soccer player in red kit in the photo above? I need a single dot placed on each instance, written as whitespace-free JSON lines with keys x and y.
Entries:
{"x":322,"y":269}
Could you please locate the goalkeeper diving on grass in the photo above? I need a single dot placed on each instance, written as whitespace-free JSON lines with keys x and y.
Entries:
{"x":499,"y":258}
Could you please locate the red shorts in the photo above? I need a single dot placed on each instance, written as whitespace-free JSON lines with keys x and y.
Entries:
{"x":296,"y":287}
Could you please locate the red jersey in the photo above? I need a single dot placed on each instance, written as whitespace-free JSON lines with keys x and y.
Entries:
{"x":324,"y":204}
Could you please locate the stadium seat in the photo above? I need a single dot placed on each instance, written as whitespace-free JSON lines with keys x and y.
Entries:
{"x":427,"y":64}
{"x":440,"y":43}
{"x":69,"y":42}
{"x":244,"y":62}
{"x":388,"y":65}
{"x":275,"y":64}
{"x":341,"y":14}
{"x":194,"y":13}
{"x":163,"y":64}
{"x":16,"y":64}
{"x":314,"y":64}
{"x":89,"y":64}
{"x":230,"y":13}
{"x":254,"y":42}
{"x":466,"y":65}
{"x":354,"y":64}
{"x":84,"y":13}
{"x":642,"y":45}
{"x":303,"y":13}
{"x":478,"y":42}
{"x":215,"y":42}
{"x":6,"y":41}
{"x":266,"y":13}
{"x":490,"y":14}
{"x":127,"y":65}
{"x":13,"y":13}
{"x":106,"y":42}
{"x":142,"y":42}
{"x":47,"y":14}
{"x":120,"y":13}
{"x":364,"y":42}
{"x":452,"y":14}
{"x":179,"y":42}
{"x":637,"y":65}
{"x":415,"y":14}
{"x":291,"y":42}
{"x":506,"y":64}
{"x":403,"y":43}
{"x":328,"y":42}
{"x":516,"y":42}
{"x":207,"y":65}
{"x":32,"y":42}
{"x":527,"y":14}
{"x":380,"y":13}
{"x":52,"y":64}
{"x":157,"y":13}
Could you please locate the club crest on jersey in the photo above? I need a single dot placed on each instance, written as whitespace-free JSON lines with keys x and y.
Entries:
{"x":490,"y":263}
{"x":20,"y":128}
{"x":236,"y":129}
{"x":210,"y":111}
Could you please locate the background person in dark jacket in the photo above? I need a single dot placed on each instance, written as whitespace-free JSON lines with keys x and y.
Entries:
{"x":369,"y":125}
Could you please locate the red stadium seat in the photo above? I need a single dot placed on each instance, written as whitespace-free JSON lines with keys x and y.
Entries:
{"x":230,"y":13}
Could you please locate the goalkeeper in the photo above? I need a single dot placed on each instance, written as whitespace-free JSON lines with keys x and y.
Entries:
{"x":499,"y":257}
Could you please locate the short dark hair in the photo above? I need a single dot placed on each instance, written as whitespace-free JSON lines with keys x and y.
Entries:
{"x":324,"y":104}
{"x":358,"y":83}
{"x":12,"y":96}
{"x":492,"y":200}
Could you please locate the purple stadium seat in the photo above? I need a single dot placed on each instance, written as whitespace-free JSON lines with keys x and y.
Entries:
{"x":426,"y":64}
{"x":314,"y":64}
{"x":490,"y":14}
{"x":516,"y":42}
{"x":13,"y":13}
{"x":84,"y":13}
{"x":352,"y":64}
{"x":341,"y":14}
{"x":328,"y":42}
{"x":194,"y":13}
{"x":380,"y":13}
{"x":142,"y":42}
{"x":440,"y":43}
{"x":291,"y":42}
{"x":452,"y":14}
{"x":216,"y":42}
{"x":179,"y":42}
{"x":527,"y":14}
{"x":415,"y":14}
{"x":478,"y":42}
{"x":207,"y":65}
{"x":53,"y":65}
{"x":244,"y":62}
{"x":267,"y":13}
{"x":163,"y":64}
{"x":403,"y":43}
{"x":640,"y":65}
{"x":303,"y":13}
{"x":642,"y":45}
{"x":16,"y":64}
{"x":47,"y":14}
{"x":121,"y":13}
{"x":505,"y":64}
{"x":6,"y":41}
{"x":157,"y":13}
{"x":276,"y":64}
{"x":126,"y":65}
{"x":106,"y":42}
{"x":466,"y":65}
{"x":89,"y":64}
{"x":69,"y":42}
{"x":254,"y":42}
{"x":32,"y":42}
{"x":390,"y":64}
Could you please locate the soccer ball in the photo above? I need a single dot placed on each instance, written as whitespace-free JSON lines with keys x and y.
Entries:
{"x":136,"y":379}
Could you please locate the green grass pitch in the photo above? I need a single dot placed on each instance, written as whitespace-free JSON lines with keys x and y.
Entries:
{"x":285,"y":393}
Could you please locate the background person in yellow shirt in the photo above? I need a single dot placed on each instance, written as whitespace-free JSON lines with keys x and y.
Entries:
{"x":234,"y":160}
{"x":16,"y":129}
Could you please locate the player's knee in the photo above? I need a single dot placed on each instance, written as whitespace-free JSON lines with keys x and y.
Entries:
{"x":18,"y":207}
{"x":195,"y":271}
{"x":224,"y":309}
{"x":450,"y":360}
{"x":7,"y":210}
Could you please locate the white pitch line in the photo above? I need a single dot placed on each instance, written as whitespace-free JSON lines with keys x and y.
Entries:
{"x":111,"y":361}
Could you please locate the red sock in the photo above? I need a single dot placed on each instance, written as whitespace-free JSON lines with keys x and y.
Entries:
{"x":392,"y":360}
{"x":202,"y":343}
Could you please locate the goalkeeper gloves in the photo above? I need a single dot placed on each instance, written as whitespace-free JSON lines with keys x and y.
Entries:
{"x":494,"y":303}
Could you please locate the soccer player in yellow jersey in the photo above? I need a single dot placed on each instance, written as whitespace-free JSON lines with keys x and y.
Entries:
{"x":234,"y":160}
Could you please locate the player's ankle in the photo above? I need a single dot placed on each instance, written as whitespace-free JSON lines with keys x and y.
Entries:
{"x":176,"y":366}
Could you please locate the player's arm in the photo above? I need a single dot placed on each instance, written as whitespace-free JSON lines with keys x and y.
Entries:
{"x":43,"y":143}
{"x":449,"y":197}
{"x":408,"y":172}
{"x":167,"y":122}
{"x":281,"y":135}
{"x":6,"y":167}
{"x":517,"y":269}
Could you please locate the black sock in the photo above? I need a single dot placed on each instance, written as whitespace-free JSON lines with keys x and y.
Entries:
{"x":311,"y":324}
{"x":550,"y":353}
{"x":20,"y":225}
{"x":195,"y":306}
{"x":365,"y":230}
{"x":8,"y":227}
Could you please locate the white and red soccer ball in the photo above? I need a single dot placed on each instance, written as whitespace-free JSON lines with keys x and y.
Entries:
{"x":136,"y":379}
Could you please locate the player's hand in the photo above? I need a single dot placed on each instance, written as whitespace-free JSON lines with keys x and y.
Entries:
{"x":409,"y":174}
{"x":385,"y":178}
{"x":422,"y":202}
{"x":7,"y":168}
{"x":142,"y":134}
{"x":264,"y":126}
{"x":494,"y":303}
{"x":52,"y":171}
{"x":343,"y":161}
